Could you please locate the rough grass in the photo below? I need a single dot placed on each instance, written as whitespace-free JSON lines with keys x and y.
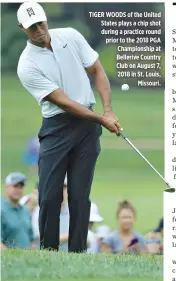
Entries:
{"x":44,"y":265}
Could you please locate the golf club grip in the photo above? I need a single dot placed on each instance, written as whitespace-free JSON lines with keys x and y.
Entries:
{"x":122,"y":135}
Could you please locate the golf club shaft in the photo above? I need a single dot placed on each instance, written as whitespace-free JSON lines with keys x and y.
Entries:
{"x":132,"y":145}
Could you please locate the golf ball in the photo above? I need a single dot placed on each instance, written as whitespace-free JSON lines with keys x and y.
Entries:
{"x":125,"y":87}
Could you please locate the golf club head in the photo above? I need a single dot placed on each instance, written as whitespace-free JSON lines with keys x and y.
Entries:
{"x":170,"y":189}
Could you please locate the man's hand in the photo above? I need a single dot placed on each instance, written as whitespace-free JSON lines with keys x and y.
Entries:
{"x":111,"y":114}
{"x":111,"y":124}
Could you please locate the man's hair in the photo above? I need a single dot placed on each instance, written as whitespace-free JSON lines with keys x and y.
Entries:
{"x":125,"y":204}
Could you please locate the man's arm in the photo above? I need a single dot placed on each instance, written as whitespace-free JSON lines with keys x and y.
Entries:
{"x":102,"y":84}
{"x":89,"y":59}
{"x":103,"y":88}
{"x":59,"y":98}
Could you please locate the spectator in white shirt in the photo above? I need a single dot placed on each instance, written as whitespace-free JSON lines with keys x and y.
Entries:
{"x":31,"y":201}
{"x":64,"y":221}
{"x":102,"y":232}
{"x":92,"y":240}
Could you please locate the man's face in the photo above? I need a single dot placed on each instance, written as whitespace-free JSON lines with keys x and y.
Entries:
{"x":15,"y":193}
{"x":37,"y":32}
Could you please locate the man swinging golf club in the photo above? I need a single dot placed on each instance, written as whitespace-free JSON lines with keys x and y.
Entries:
{"x":53,"y":69}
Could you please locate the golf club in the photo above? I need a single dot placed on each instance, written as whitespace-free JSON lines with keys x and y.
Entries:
{"x":169,"y":188}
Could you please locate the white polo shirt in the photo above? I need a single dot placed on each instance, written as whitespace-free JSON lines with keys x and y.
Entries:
{"x":42,"y":71}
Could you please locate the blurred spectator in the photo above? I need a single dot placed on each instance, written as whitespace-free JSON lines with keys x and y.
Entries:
{"x":16,"y":227}
{"x":125,"y":240}
{"x":31,"y":154}
{"x":64,"y":220}
{"x":31,"y":202}
{"x":92,"y":240}
{"x":154,"y":240}
{"x":160,"y":227}
{"x":102,"y":233}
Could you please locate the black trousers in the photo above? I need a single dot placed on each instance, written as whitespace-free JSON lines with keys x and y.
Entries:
{"x":67,"y":145}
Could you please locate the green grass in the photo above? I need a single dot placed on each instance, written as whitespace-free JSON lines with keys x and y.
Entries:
{"x":120,"y":174}
{"x":38,"y":265}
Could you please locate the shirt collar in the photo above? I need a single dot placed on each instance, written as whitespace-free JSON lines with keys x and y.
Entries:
{"x":35,"y":48}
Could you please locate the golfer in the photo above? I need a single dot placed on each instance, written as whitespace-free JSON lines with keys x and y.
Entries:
{"x":53,"y":68}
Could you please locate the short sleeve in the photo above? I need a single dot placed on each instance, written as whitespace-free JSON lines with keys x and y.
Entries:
{"x":35,"y":82}
{"x":87,"y":54}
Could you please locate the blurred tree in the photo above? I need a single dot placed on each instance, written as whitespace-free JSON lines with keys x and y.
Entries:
{"x":74,"y":15}
{"x":12,"y":6}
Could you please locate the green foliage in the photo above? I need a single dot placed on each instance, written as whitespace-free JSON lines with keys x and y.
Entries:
{"x":108,"y":58}
{"x":61,"y":15}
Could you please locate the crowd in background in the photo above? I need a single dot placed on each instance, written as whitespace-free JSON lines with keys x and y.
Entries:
{"x":20,"y":228}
